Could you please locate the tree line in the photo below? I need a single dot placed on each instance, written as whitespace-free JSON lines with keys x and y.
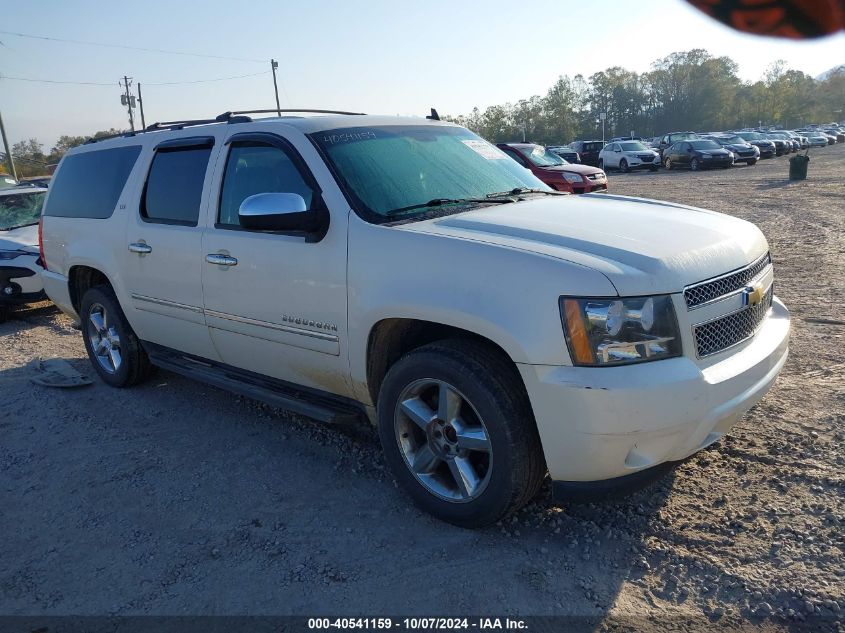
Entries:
{"x":690,"y":90}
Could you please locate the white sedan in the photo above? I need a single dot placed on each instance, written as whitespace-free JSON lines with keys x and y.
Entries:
{"x":628,"y":155}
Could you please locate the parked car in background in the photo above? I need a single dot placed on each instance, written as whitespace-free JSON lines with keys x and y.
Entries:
{"x":7,"y":181}
{"x":673,"y":137}
{"x":743,"y":151}
{"x":839,"y":135}
{"x":783,"y":145}
{"x":802,"y":140}
{"x":758,"y":140}
{"x":566,"y":153}
{"x":588,"y":151}
{"x":36,"y":181}
{"x":817,"y":139}
{"x":20,"y":272}
{"x":695,"y":154}
{"x":616,"y":139}
{"x":555,"y":171}
{"x":628,"y":155}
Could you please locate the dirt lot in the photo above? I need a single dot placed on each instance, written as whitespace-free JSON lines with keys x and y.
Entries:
{"x":177,"y":498}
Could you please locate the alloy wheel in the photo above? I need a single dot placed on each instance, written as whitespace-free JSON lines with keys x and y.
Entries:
{"x":443,"y":440}
{"x":104,"y":339}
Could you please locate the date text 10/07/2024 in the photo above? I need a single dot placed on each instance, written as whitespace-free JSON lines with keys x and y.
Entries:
{"x":417,"y":624}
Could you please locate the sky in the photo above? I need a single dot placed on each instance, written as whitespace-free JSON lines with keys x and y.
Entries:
{"x":374,"y":56}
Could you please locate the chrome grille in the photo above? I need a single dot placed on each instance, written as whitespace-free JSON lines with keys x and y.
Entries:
{"x":731,"y":329}
{"x":715,"y":288}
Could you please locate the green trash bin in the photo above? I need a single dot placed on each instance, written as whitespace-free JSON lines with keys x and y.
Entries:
{"x":798,"y":167}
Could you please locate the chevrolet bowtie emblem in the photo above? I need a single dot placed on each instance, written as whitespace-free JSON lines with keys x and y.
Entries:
{"x":752,"y":295}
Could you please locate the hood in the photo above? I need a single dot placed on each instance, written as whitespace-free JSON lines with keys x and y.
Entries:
{"x":22,"y":239}
{"x":573,"y":168}
{"x":721,"y":151}
{"x":642,"y":246}
{"x":740,"y":147}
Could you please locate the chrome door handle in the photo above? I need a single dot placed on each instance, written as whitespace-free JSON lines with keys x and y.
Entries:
{"x":140,"y":247}
{"x":221,"y":260}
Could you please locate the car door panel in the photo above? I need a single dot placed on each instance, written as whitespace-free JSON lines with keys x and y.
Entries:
{"x":281,"y":310}
{"x":162,"y":271}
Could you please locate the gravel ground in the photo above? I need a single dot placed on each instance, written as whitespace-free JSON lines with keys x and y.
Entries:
{"x":177,"y":498}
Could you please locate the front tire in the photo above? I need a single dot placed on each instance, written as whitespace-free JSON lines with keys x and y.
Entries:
{"x":113,"y":348}
{"x":458,"y":432}
{"x":623,"y":166}
{"x":751,"y":162}
{"x":667,"y":163}
{"x":695,"y":165}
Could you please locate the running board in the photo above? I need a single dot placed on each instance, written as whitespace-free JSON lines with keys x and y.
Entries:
{"x":312,"y":403}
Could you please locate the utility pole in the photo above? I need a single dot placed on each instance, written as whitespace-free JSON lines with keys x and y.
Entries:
{"x":273,"y":66}
{"x":127,"y":99}
{"x":141,"y":105}
{"x":9,"y":160}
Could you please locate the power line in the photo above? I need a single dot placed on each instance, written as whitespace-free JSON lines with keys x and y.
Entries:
{"x":113,"y":83}
{"x":131,"y":48}
{"x":202,"y":81}
{"x":53,"y":81}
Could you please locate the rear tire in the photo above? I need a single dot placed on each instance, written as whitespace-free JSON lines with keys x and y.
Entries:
{"x":476,"y":458}
{"x":113,"y":348}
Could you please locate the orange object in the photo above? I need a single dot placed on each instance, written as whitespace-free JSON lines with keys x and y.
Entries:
{"x":577,"y":334}
{"x":794,"y":19}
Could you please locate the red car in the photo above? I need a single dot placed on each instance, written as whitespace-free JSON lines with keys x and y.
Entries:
{"x":555,"y":171}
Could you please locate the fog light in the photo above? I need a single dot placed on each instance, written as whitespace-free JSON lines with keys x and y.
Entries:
{"x":8,"y":291}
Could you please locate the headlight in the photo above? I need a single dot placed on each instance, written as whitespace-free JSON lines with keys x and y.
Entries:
{"x":617,"y":331}
{"x":572,"y":177}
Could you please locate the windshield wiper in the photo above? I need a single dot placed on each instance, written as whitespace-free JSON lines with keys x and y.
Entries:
{"x":519,"y":190}
{"x":439,"y":202}
{"x":18,"y":226}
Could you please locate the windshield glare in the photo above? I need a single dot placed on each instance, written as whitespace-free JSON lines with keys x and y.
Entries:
{"x":633,"y":146}
{"x":542,"y":157}
{"x":730,"y":139}
{"x":705,"y":144}
{"x":395,"y":166}
{"x":20,"y":209}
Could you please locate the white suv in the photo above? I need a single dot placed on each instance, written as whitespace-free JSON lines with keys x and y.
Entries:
{"x":408,"y":272}
{"x":627,"y":156}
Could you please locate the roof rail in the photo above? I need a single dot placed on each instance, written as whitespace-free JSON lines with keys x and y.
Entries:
{"x":279,"y":111}
{"x":226,"y":117}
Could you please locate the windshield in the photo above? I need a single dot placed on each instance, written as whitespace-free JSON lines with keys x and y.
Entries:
{"x":684,"y":136}
{"x":705,"y":144}
{"x":20,"y":209}
{"x":730,"y":139}
{"x":779,"y":135}
{"x":396,"y":166}
{"x":541,"y":157}
{"x":633,"y":146}
{"x":752,"y":136}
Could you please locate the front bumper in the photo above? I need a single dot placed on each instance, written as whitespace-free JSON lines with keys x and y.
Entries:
{"x":590,"y":186}
{"x":25,"y":284}
{"x":598,"y":423}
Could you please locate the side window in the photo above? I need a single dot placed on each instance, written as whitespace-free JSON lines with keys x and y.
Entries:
{"x":254,"y":167}
{"x":514,"y":154}
{"x":88,"y":184}
{"x":616,"y":147}
{"x":665,"y":139}
{"x":173,"y":191}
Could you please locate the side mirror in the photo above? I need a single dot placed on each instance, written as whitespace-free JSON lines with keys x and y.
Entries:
{"x":617,"y":150}
{"x":277,"y":212}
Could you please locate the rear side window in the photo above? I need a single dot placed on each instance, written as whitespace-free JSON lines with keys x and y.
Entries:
{"x":173,"y":191}
{"x":89,"y":184}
